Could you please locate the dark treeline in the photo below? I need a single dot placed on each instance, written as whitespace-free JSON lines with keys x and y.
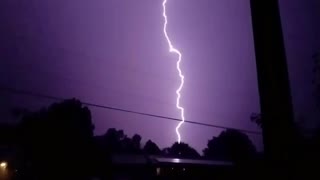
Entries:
{"x":59,"y":141}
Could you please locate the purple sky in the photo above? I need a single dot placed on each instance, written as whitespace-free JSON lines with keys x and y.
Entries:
{"x":113,"y":52}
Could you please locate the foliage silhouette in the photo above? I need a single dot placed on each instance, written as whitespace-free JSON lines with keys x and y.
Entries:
{"x":115,"y":141}
{"x":256,"y":118}
{"x":181,"y":150}
{"x":230,"y":145}
{"x":151,"y":148}
{"x":56,"y":142}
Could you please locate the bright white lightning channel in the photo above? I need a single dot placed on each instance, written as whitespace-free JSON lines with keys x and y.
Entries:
{"x":176,"y":51}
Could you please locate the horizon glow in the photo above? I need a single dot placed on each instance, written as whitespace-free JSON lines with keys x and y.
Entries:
{"x":176,"y":51}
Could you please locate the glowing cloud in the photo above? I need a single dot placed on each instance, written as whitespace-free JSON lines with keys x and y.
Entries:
{"x":176,"y":51}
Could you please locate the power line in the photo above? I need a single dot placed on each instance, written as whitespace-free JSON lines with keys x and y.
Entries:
{"x":52,"y":75}
{"x":38,"y":95}
{"x":81,"y":54}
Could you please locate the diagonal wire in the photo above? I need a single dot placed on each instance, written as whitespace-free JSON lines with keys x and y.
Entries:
{"x":38,"y":95}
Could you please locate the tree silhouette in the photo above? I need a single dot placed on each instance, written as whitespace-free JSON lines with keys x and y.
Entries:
{"x":111,"y":140}
{"x":136,"y":143}
{"x":8,"y":142}
{"x":56,"y":142}
{"x":151,"y":148}
{"x":19,"y":112}
{"x":256,"y":118}
{"x":7,"y":135}
{"x":181,"y":150}
{"x":115,"y":141}
{"x":230,"y":145}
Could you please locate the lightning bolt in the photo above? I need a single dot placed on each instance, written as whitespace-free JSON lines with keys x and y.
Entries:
{"x":176,"y":51}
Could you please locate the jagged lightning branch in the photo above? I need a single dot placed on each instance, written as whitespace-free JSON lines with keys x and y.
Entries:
{"x":176,"y":51}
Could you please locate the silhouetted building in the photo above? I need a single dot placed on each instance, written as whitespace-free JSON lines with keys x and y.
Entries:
{"x":153,"y":167}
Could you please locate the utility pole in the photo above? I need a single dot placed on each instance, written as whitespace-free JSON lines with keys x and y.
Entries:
{"x":274,"y":87}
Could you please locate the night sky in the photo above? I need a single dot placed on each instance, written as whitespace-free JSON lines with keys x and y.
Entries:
{"x":113,"y":53}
